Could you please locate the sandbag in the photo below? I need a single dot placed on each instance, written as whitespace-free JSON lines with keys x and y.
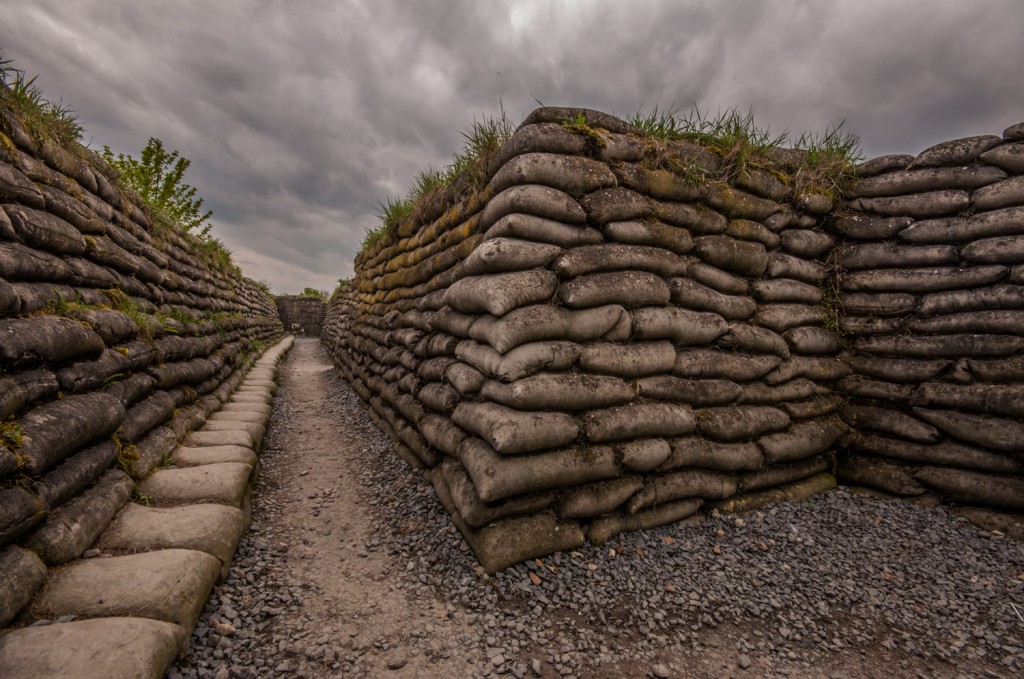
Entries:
{"x":737,"y":204}
{"x":981,"y":299}
{"x":823,"y":404}
{"x":148,"y":413}
{"x":891,"y":477}
{"x":806,"y":243}
{"x":559,"y":391}
{"x":930,"y":179}
{"x":511,"y":431}
{"x":692,"y":295}
{"x":764,"y":394}
{"x":801,"y":440}
{"x":811,"y":340}
{"x":756,"y":340}
{"x":783,"y":290}
{"x":540,"y":230}
{"x":626,"y":288}
{"x":606,"y":527}
{"x":694,"y":451}
{"x":575,"y":175}
{"x":441,"y":433}
{"x":498,"y":255}
{"x":467,"y":380}
{"x":615,"y":204}
{"x":523,"y":361}
{"x":615,"y":257}
{"x":988,"y":432}
{"x":698,"y":219}
{"x":500,"y":476}
{"x":507,"y":542}
{"x":1005,"y":222}
{"x":866,"y":388}
{"x":1004,"y":400}
{"x":999,"y":322}
{"x":781,"y":265}
{"x":45,"y":231}
{"x":651,"y":233}
{"x":637,"y":420}
{"x":50,"y":339}
{"x":941,"y":346}
{"x":781,"y":474}
{"x":740,"y":422}
{"x":635,"y":359}
{"x":21,"y":389}
{"x":680,"y":325}
{"x":892,"y":422}
{"x":880,"y":304}
{"x":746,"y":230}
{"x":57,"y":428}
{"x":933,"y":279}
{"x":1003,"y":492}
{"x":595,"y":499}
{"x":1000,"y":370}
{"x":712,"y":364}
{"x":796,"y":491}
{"x":642,"y":455}
{"x":475,"y":511}
{"x":440,"y":398}
{"x":542,"y":322}
{"x":818,"y":368}
{"x":497,"y":294}
{"x":91,"y":375}
{"x":860,"y":226}
{"x":693,"y":392}
{"x":742,"y":257}
{"x":947,"y":453}
{"x":781,"y":317}
{"x":916,"y":205}
{"x":682,"y":484}
{"x":713,"y":277}
{"x":660,"y":184}
{"x":897,"y":369}
{"x":447,"y":319}
{"x":532,"y":199}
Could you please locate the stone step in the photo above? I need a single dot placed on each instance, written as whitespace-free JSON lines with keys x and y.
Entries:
{"x":193,"y":457}
{"x":223,"y":482}
{"x":246,"y":408}
{"x":102,"y":648}
{"x":221,"y":416}
{"x":254,"y":429}
{"x":235,"y":437}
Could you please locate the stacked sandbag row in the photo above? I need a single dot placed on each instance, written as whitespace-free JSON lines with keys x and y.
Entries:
{"x":933,"y":298}
{"x":116,"y":339}
{"x":606,"y":345}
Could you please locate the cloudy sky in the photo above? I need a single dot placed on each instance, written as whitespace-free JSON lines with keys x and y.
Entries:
{"x":300,"y":116}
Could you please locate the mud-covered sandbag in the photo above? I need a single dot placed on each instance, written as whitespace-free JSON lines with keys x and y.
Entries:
{"x":131,"y":389}
{"x":1004,"y":222}
{"x":452,"y":322}
{"x":113,"y":326}
{"x":55,"y":429}
{"x":947,"y":453}
{"x":698,"y":219}
{"x":811,"y":340}
{"x":916,"y":205}
{"x":544,"y":322}
{"x":20,"y":510}
{"x":693,"y":392}
{"x":801,"y":440}
{"x":508,"y":254}
{"x":507,"y":542}
{"x":441,"y":433}
{"x":21,"y":389}
{"x":574,"y":175}
{"x":1004,"y":400}
{"x":596,"y":499}
{"x":440,"y":398}
{"x":523,"y":361}
{"x":781,"y":317}
{"x":863,"y":387}
{"x":50,"y":339}
{"x":500,"y":476}
{"x":781,"y":474}
{"x":475,"y":511}
{"x":1005,"y":250}
{"x":652,"y":233}
{"x":1004,"y":492}
{"x":797,"y":389}
{"x":917,"y":181}
{"x":823,"y":404}
{"x":897,"y":369}
{"x":636,"y":420}
{"x":781,"y":265}
{"x":744,"y":337}
{"x":999,"y":322}
{"x":660,"y":184}
{"x":962,"y":151}
{"x":606,"y":527}
{"x":694,"y":451}
{"x":497,"y":294}
{"x":881,"y":304}
{"x":559,"y":391}
{"x":635,"y":359}
{"x":713,"y":277}
{"x":739,"y":423}
{"x":192,"y":372}
{"x":540,"y":230}
{"x":933,"y":279}
{"x":713,"y":364}
{"x":692,"y":295}
{"x":91,"y":375}
{"x":783,"y":290}
{"x":466,"y":379}
{"x":741,"y":257}
{"x":679,"y":325}
{"x":45,"y":231}
{"x":988,"y":432}
{"x":796,"y":491}
{"x":433,"y":369}
{"x":20,"y":263}
{"x":682,"y":484}
{"x":615,"y":204}
{"x":1000,"y":370}
{"x":891,"y":422}
{"x":148,"y":413}
{"x":818,"y":368}
{"x":615,"y":257}
{"x":533,"y":199}
{"x":642,"y":455}
{"x":511,"y":431}
{"x":625,"y":288}
{"x":941,"y":346}
{"x":891,"y":477}
{"x":887,"y":255}
{"x":806,"y":243}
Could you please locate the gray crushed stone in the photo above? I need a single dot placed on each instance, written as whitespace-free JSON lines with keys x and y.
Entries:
{"x":791,"y":589}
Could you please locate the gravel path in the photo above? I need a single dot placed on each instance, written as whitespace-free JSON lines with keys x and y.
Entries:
{"x":352,"y":568}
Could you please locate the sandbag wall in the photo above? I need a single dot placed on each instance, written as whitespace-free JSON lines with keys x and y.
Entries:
{"x":932,"y":279}
{"x":115,"y":340}
{"x":598,"y":341}
{"x":301,"y":314}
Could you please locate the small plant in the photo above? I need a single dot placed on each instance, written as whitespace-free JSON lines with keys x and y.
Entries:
{"x":43,"y":118}
{"x":578,"y":125}
{"x":127,"y":455}
{"x":313,"y":292}
{"x":11,"y":434}
{"x":143,"y":499}
{"x":166,"y":461}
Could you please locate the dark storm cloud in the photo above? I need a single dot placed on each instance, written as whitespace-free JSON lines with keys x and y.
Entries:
{"x":300,"y":116}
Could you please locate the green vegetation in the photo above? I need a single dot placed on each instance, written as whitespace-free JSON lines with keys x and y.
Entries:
{"x":313,"y":292}
{"x":45,"y":119}
{"x":579,"y":126}
{"x":11,"y":433}
{"x":157,"y":177}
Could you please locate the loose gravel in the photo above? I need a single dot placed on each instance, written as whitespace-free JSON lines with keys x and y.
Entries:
{"x":841,"y":585}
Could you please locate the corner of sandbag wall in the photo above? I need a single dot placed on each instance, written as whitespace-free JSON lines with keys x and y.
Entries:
{"x":931,"y":273}
{"x":598,"y":342}
{"x":117,"y":338}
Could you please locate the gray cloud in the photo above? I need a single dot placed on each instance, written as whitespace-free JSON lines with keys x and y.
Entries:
{"x":300,"y":116}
